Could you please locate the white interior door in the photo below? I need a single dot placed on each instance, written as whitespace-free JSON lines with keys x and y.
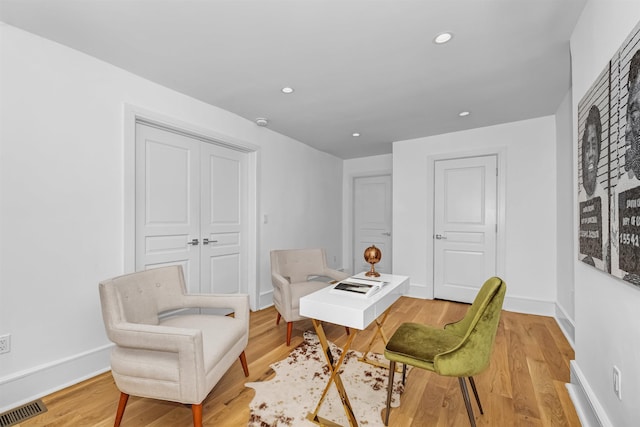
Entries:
{"x":465,"y":226}
{"x":191,"y":206}
{"x":372,"y":221}
{"x":167,"y":219}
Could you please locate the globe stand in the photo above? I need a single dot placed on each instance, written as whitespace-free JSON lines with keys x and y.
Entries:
{"x":372,"y":272}
{"x":372,"y":255}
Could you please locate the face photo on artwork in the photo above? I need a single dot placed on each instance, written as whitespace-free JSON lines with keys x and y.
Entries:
{"x":632,"y":130}
{"x":626,"y":224}
{"x":591,"y":144}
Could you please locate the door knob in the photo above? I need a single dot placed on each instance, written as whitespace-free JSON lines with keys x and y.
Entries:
{"x":386,"y":234}
{"x":440,"y":237}
{"x":207,"y":241}
{"x":193,"y":242}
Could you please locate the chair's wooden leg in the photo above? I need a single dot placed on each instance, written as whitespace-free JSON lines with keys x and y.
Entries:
{"x":124,"y":397}
{"x":347,"y":329}
{"x":289,"y":330}
{"x":243,"y":361}
{"x":467,"y":402}
{"x":197,"y":415}
{"x":392,"y":371}
{"x":475,"y":393}
{"x":278,"y":319}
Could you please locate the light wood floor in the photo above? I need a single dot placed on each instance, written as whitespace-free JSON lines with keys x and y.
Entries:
{"x":524,"y":385}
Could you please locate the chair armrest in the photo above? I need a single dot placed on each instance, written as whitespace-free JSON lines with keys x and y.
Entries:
{"x":155,"y":337}
{"x":279,"y":280}
{"x":187,"y":343}
{"x":282,"y":295}
{"x":284,"y":286}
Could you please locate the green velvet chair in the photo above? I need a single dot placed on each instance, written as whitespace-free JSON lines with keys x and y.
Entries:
{"x":461,"y":349}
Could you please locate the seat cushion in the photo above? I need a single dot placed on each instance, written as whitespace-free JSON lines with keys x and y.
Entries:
{"x":417,"y":344}
{"x":219,"y":334}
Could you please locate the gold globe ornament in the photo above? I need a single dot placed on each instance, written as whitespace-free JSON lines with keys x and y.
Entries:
{"x":372,"y":255}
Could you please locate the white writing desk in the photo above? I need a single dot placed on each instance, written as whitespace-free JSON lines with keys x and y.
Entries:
{"x":356,"y":312}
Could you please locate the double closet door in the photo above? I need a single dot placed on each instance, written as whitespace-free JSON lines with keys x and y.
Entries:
{"x":191,"y":209}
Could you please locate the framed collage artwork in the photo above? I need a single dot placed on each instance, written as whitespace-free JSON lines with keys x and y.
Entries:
{"x":609,"y":166}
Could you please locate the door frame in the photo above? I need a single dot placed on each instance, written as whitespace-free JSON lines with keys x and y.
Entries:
{"x":501,"y":163}
{"x":134,"y":114}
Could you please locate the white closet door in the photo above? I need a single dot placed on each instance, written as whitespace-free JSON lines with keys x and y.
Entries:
{"x":191,"y":209}
{"x":167,"y":202}
{"x":223,"y":221}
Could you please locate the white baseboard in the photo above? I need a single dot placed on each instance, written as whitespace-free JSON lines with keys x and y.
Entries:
{"x":589,"y":409}
{"x":265,"y":299}
{"x":517,"y":304}
{"x":23,"y":387}
{"x":529,"y":306}
{"x":567,"y":326}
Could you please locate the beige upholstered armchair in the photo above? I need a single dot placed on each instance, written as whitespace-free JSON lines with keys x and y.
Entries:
{"x":178,"y":357}
{"x":292,"y":274}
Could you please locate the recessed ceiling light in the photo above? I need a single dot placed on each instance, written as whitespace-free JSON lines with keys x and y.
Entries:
{"x":464,"y":113}
{"x":442,"y":38}
{"x":355,"y":134}
{"x":287,"y":89}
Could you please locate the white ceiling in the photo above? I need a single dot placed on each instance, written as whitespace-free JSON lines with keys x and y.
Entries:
{"x":367,"y":66}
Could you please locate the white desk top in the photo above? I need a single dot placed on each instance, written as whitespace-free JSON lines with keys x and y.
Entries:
{"x":353,"y":311}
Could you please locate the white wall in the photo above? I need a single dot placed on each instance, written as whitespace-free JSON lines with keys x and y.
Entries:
{"x":62,"y":202}
{"x":607,"y":309}
{"x":529,"y":264}
{"x":565,"y":172}
{"x":354,"y":168}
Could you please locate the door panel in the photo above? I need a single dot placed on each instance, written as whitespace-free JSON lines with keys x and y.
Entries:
{"x":224,"y":271}
{"x":223,"y":220}
{"x":167,"y":183}
{"x":465,"y":206}
{"x":372,"y":221}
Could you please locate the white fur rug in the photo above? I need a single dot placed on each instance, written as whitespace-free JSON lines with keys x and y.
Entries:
{"x":293,"y":393}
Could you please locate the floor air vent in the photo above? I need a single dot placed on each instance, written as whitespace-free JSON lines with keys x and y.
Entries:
{"x":24,"y":412}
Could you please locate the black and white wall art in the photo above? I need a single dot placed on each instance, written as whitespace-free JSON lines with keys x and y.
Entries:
{"x":609,"y":166}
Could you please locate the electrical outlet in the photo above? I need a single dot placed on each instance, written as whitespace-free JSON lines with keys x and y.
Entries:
{"x":5,"y":343}
{"x":617,"y":388}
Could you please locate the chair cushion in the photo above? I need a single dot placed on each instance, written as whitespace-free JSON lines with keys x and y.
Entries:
{"x":417,"y":345}
{"x":219,"y":334}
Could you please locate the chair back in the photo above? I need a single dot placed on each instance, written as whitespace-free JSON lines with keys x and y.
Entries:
{"x":298,"y":264}
{"x":139,"y":297}
{"x":478,"y":330}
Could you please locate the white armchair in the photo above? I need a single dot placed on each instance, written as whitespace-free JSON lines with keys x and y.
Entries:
{"x":292,"y":274}
{"x":180,"y":357}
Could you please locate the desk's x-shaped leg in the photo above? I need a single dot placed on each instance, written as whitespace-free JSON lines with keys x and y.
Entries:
{"x":379,"y":333}
{"x":334,"y":378}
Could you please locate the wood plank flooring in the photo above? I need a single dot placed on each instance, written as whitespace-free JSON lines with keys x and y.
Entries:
{"x":523,"y":386}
